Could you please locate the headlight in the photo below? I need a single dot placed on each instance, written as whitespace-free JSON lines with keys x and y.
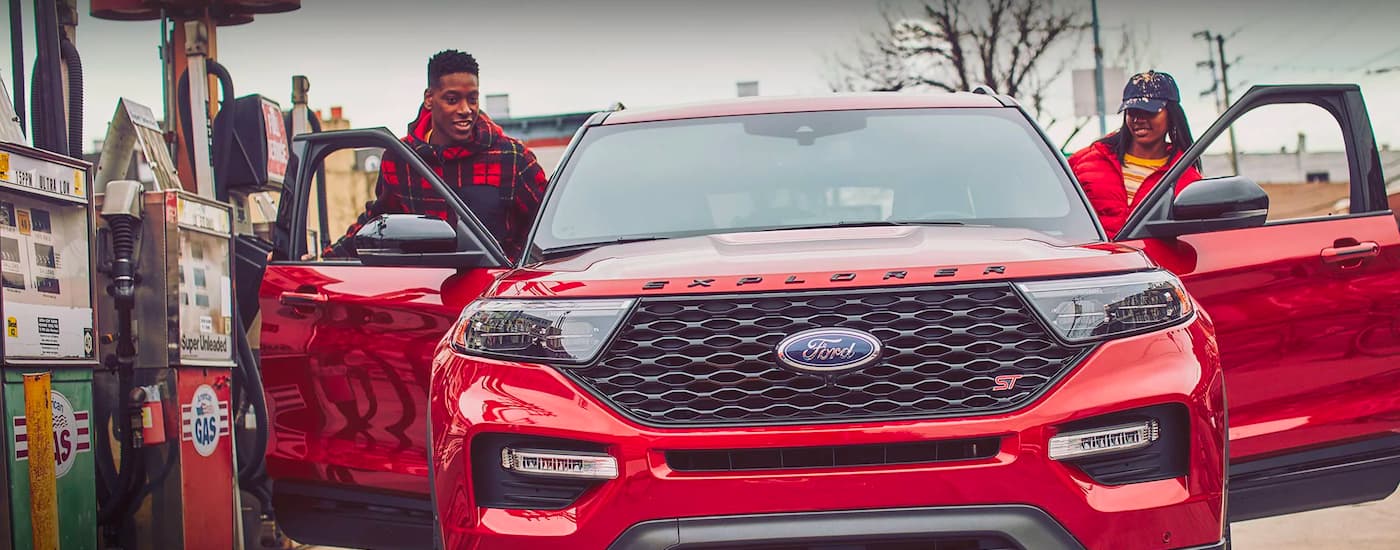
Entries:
{"x":559,"y":331}
{"x":1096,"y":308}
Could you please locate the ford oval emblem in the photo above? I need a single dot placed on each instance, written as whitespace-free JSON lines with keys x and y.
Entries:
{"x":828,"y":351}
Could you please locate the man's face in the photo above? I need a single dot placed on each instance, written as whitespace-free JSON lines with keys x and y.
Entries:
{"x":1148,"y":129}
{"x":453,"y":104}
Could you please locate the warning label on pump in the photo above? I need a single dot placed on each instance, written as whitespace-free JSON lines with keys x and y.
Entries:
{"x":47,"y":331}
{"x":48,"y":335}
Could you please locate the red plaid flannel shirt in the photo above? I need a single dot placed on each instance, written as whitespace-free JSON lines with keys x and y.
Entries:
{"x":497,"y":177}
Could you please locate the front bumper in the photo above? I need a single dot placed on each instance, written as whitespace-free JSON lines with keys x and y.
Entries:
{"x":1023,"y":526}
{"x":1020,"y":493}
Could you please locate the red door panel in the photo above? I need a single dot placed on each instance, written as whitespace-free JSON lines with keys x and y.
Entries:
{"x":1310,"y":341}
{"x":346,"y":352}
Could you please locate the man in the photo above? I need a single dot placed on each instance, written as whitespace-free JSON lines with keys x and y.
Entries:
{"x":495,"y":175}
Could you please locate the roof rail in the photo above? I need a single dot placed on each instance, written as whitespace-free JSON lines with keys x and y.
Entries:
{"x":1005,"y":100}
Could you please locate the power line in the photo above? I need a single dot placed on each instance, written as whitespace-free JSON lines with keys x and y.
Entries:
{"x":1340,"y":25}
{"x":1368,"y":62}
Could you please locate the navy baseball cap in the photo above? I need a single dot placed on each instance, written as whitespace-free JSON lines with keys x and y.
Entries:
{"x":1149,"y":91}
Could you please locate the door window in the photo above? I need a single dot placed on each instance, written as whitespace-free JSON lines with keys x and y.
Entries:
{"x":335,"y":201}
{"x":1295,"y":152}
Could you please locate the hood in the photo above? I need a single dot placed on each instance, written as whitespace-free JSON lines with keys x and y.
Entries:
{"x":485,"y":132}
{"x":818,"y":258}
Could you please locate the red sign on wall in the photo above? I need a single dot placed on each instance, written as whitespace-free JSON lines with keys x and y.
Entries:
{"x":277,"y":150}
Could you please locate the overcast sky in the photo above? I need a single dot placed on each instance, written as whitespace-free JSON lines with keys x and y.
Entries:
{"x":556,"y":56}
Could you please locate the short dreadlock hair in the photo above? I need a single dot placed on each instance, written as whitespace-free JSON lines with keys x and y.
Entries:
{"x":448,"y":62}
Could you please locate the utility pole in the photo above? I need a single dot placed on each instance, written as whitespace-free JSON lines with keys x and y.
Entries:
{"x":1098,"y":70}
{"x":1225,"y":86}
{"x":1209,"y":64}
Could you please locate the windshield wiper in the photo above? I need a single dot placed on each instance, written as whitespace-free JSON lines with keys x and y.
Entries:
{"x":582,"y":247}
{"x":864,"y":224}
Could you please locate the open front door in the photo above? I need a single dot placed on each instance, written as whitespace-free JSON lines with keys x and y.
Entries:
{"x":347,"y":349}
{"x":1305,"y":296}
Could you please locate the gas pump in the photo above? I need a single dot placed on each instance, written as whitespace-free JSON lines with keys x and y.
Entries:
{"x":46,"y":303}
{"x":170,"y":322}
{"x":181,"y":372}
{"x":167,"y":328}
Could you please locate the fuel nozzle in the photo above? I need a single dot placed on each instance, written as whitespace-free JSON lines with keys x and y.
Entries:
{"x":122,"y":210}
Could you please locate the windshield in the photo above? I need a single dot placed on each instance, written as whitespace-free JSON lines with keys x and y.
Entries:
{"x":973,"y":166}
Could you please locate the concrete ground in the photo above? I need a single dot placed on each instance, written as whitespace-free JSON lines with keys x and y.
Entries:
{"x":1372,"y":526}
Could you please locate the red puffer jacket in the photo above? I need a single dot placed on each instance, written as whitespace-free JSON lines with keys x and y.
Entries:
{"x":1101,"y":176}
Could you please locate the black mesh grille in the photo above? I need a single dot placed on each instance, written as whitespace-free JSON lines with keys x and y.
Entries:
{"x":709,"y":360}
{"x":922,"y":452}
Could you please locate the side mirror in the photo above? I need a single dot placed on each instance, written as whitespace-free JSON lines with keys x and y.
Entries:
{"x":412,"y":240}
{"x":1227,"y":197}
{"x":1217,"y":204}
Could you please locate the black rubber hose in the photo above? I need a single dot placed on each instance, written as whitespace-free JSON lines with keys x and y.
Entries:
{"x":119,"y":504}
{"x":223,"y":140}
{"x":239,"y":389}
{"x":225,"y":82}
{"x":102,"y":459}
{"x":17,"y":58}
{"x":46,"y":40}
{"x":252,"y":475}
{"x":124,"y":230}
{"x":248,"y":362}
{"x":183,"y":90}
{"x":171,"y":456}
{"x":75,"y":96}
{"x":37,"y":133}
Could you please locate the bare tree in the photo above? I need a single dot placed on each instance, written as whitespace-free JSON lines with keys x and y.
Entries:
{"x":1135,"y":53}
{"x":958,"y":44}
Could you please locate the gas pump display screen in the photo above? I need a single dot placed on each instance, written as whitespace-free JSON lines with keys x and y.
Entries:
{"x":47,"y":305}
{"x":206,"y":294}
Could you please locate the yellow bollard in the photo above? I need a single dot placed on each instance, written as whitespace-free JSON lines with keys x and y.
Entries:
{"x":43,"y":486}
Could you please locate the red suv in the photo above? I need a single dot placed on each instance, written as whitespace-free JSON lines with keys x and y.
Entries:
{"x":859,"y":322}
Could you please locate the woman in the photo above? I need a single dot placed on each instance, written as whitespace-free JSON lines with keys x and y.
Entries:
{"x":1120,"y":169}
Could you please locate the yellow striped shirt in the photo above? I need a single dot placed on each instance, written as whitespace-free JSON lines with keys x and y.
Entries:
{"x":1136,"y":170}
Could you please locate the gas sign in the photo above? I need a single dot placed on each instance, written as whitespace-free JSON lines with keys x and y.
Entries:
{"x":205,"y":420}
{"x":71,"y":434}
